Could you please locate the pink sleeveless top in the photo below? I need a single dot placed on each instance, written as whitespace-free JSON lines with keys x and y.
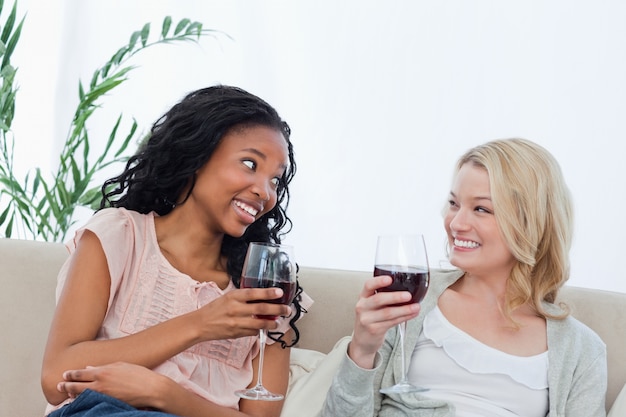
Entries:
{"x":146,"y":289}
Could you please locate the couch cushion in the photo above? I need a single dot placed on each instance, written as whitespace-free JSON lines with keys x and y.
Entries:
{"x":310,"y":376}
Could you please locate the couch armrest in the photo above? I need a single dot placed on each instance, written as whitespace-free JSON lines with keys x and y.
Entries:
{"x":28,"y":277}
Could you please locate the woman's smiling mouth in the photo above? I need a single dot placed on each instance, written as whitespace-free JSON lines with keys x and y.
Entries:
{"x":248,"y":209}
{"x":465,"y":244}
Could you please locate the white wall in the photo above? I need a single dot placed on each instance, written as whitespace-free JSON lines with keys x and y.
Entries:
{"x":382,"y":98}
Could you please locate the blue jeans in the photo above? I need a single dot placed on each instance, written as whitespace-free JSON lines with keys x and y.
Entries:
{"x":95,"y":404}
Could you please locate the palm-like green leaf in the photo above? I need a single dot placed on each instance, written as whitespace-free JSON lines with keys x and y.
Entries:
{"x":42,"y":206}
{"x":8,"y":25}
{"x":10,"y":47}
{"x":165,"y":28}
{"x":181,"y":26}
{"x":145,"y":32}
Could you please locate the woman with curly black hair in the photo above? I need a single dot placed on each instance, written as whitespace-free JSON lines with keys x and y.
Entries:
{"x":149,"y":317}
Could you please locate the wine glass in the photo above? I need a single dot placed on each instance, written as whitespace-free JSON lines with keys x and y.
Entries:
{"x":268,"y":265}
{"x":403,"y":257}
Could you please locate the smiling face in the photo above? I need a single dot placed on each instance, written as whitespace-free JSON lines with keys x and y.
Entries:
{"x":238,"y":184}
{"x":475,"y":241}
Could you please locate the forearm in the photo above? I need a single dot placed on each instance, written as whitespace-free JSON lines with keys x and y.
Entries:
{"x":174,"y":399}
{"x":363,"y":358}
{"x":143,"y":389}
{"x":147,"y":348}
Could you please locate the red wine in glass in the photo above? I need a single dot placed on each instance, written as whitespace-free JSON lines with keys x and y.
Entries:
{"x":405,"y":278}
{"x":289,"y":291}
{"x":404,"y":258}
{"x":267,"y":265}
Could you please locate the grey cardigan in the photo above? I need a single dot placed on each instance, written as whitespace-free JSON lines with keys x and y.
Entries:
{"x":577,"y":374}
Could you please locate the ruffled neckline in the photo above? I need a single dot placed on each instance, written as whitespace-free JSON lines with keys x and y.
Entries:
{"x":478,"y":357}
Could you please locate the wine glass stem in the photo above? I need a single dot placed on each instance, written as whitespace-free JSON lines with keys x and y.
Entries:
{"x":259,"y":382}
{"x":402,"y":330}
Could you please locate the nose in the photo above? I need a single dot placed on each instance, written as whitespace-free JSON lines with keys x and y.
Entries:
{"x":458,"y":220}
{"x":263,"y":189}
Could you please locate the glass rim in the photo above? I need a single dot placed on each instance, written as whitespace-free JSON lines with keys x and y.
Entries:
{"x":270,"y":244}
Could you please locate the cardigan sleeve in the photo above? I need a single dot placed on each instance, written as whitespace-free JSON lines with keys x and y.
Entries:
{"x":587,"y":394}
{"x":577,"y":374}
{"x":351,"y":392}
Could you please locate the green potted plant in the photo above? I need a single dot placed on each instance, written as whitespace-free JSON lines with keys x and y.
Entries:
{"x":42,"y":206}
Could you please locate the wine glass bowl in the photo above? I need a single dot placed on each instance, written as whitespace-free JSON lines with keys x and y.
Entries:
{"x":412,"y":279}
{"x":268,"y":265}
{"x":404,"y":259}
{"x":267,"y":268}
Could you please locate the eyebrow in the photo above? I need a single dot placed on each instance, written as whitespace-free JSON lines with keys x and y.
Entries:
{"x":261,"y":155}
{"x":475,"y":198}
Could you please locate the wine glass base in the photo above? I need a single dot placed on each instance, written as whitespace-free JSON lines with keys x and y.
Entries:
{"x":402,"y":388}
{"x":259,"y":393}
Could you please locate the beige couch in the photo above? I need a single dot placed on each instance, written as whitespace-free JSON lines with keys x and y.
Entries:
{"x":28,"y":277}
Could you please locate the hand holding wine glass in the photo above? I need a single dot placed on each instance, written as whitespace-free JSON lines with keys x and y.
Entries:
{"x":268,"y":265}
{"x":404,"y":259}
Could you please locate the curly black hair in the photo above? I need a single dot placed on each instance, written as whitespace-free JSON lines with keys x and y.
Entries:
{"x":181,"y":142}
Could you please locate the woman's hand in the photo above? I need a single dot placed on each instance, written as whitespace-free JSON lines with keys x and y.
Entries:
{"x":233,"y":315}
{"x":377,"y":312}
{"x":133,"y":384}
{"x":143,"y":389}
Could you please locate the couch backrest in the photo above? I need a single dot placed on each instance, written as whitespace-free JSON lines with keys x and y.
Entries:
{"x":28,"y":273}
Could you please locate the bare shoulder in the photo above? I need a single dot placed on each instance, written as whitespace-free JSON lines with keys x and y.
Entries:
{"x":88,"y":280}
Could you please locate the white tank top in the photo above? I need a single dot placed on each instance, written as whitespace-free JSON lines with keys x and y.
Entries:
{"x":479,"y":380}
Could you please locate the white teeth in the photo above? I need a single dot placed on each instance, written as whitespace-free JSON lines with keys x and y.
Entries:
{"x":465,"y":243}
{"x":250,"y":210}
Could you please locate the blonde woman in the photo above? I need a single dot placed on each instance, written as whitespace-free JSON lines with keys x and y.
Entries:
{"x":489,"y":338}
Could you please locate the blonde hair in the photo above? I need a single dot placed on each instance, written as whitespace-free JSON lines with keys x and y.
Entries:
{"x":533,"y":208}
